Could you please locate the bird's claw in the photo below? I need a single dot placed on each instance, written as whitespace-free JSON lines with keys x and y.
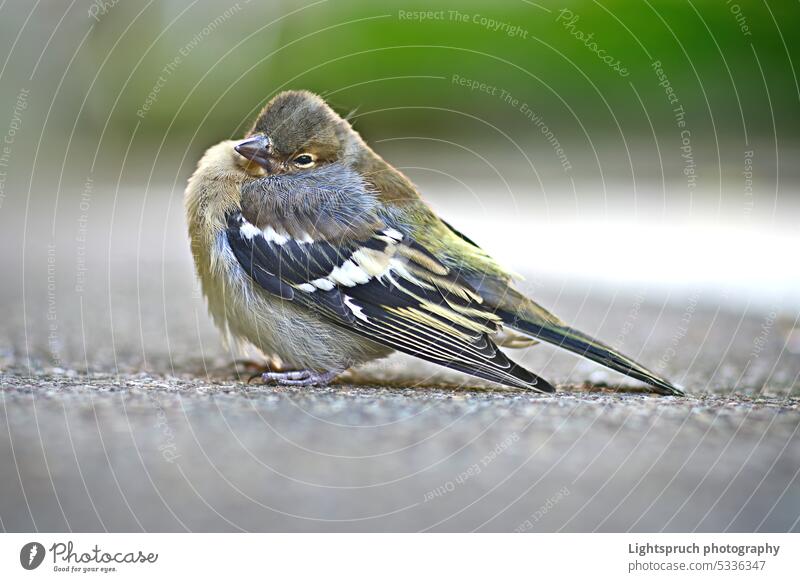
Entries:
{"x":299,"y":378}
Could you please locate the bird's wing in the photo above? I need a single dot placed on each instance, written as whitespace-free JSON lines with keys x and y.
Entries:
{"x":518,"y":311}
{"x":386,"y":287}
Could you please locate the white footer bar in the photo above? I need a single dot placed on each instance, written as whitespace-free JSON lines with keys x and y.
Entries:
{"x":400,"y":557}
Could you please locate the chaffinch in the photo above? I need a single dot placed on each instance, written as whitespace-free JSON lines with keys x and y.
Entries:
{"x":314,"y":249}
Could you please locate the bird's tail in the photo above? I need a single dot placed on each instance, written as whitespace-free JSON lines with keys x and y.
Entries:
{"x":584,"y":345}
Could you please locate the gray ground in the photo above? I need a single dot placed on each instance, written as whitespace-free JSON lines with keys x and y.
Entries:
{"x":120,"y":409}
{"x":187,"y":445}
{"x":158,"y":453}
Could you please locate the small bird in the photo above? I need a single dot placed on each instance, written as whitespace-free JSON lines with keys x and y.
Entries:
{"x":315,"y":250}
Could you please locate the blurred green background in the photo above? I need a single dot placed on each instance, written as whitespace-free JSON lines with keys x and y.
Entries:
{"x":209,"y":65}
{"x":514,"y":117}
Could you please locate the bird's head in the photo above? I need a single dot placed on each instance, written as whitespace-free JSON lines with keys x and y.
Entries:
{"x":297,"y":131}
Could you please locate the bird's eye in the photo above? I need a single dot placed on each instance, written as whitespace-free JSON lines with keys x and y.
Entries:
{"x":304,"y":161}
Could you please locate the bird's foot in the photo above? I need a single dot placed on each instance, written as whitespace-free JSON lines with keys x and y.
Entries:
{"x":300,"y":377}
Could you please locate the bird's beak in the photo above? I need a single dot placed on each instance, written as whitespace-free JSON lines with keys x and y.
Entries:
{"x":255,"y":148}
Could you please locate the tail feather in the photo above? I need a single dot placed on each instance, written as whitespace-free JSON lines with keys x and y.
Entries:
{"x":584,"y":345}
{"x":515,"y":375}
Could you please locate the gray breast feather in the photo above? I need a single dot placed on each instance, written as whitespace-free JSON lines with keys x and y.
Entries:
{"x":329,"y":202}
